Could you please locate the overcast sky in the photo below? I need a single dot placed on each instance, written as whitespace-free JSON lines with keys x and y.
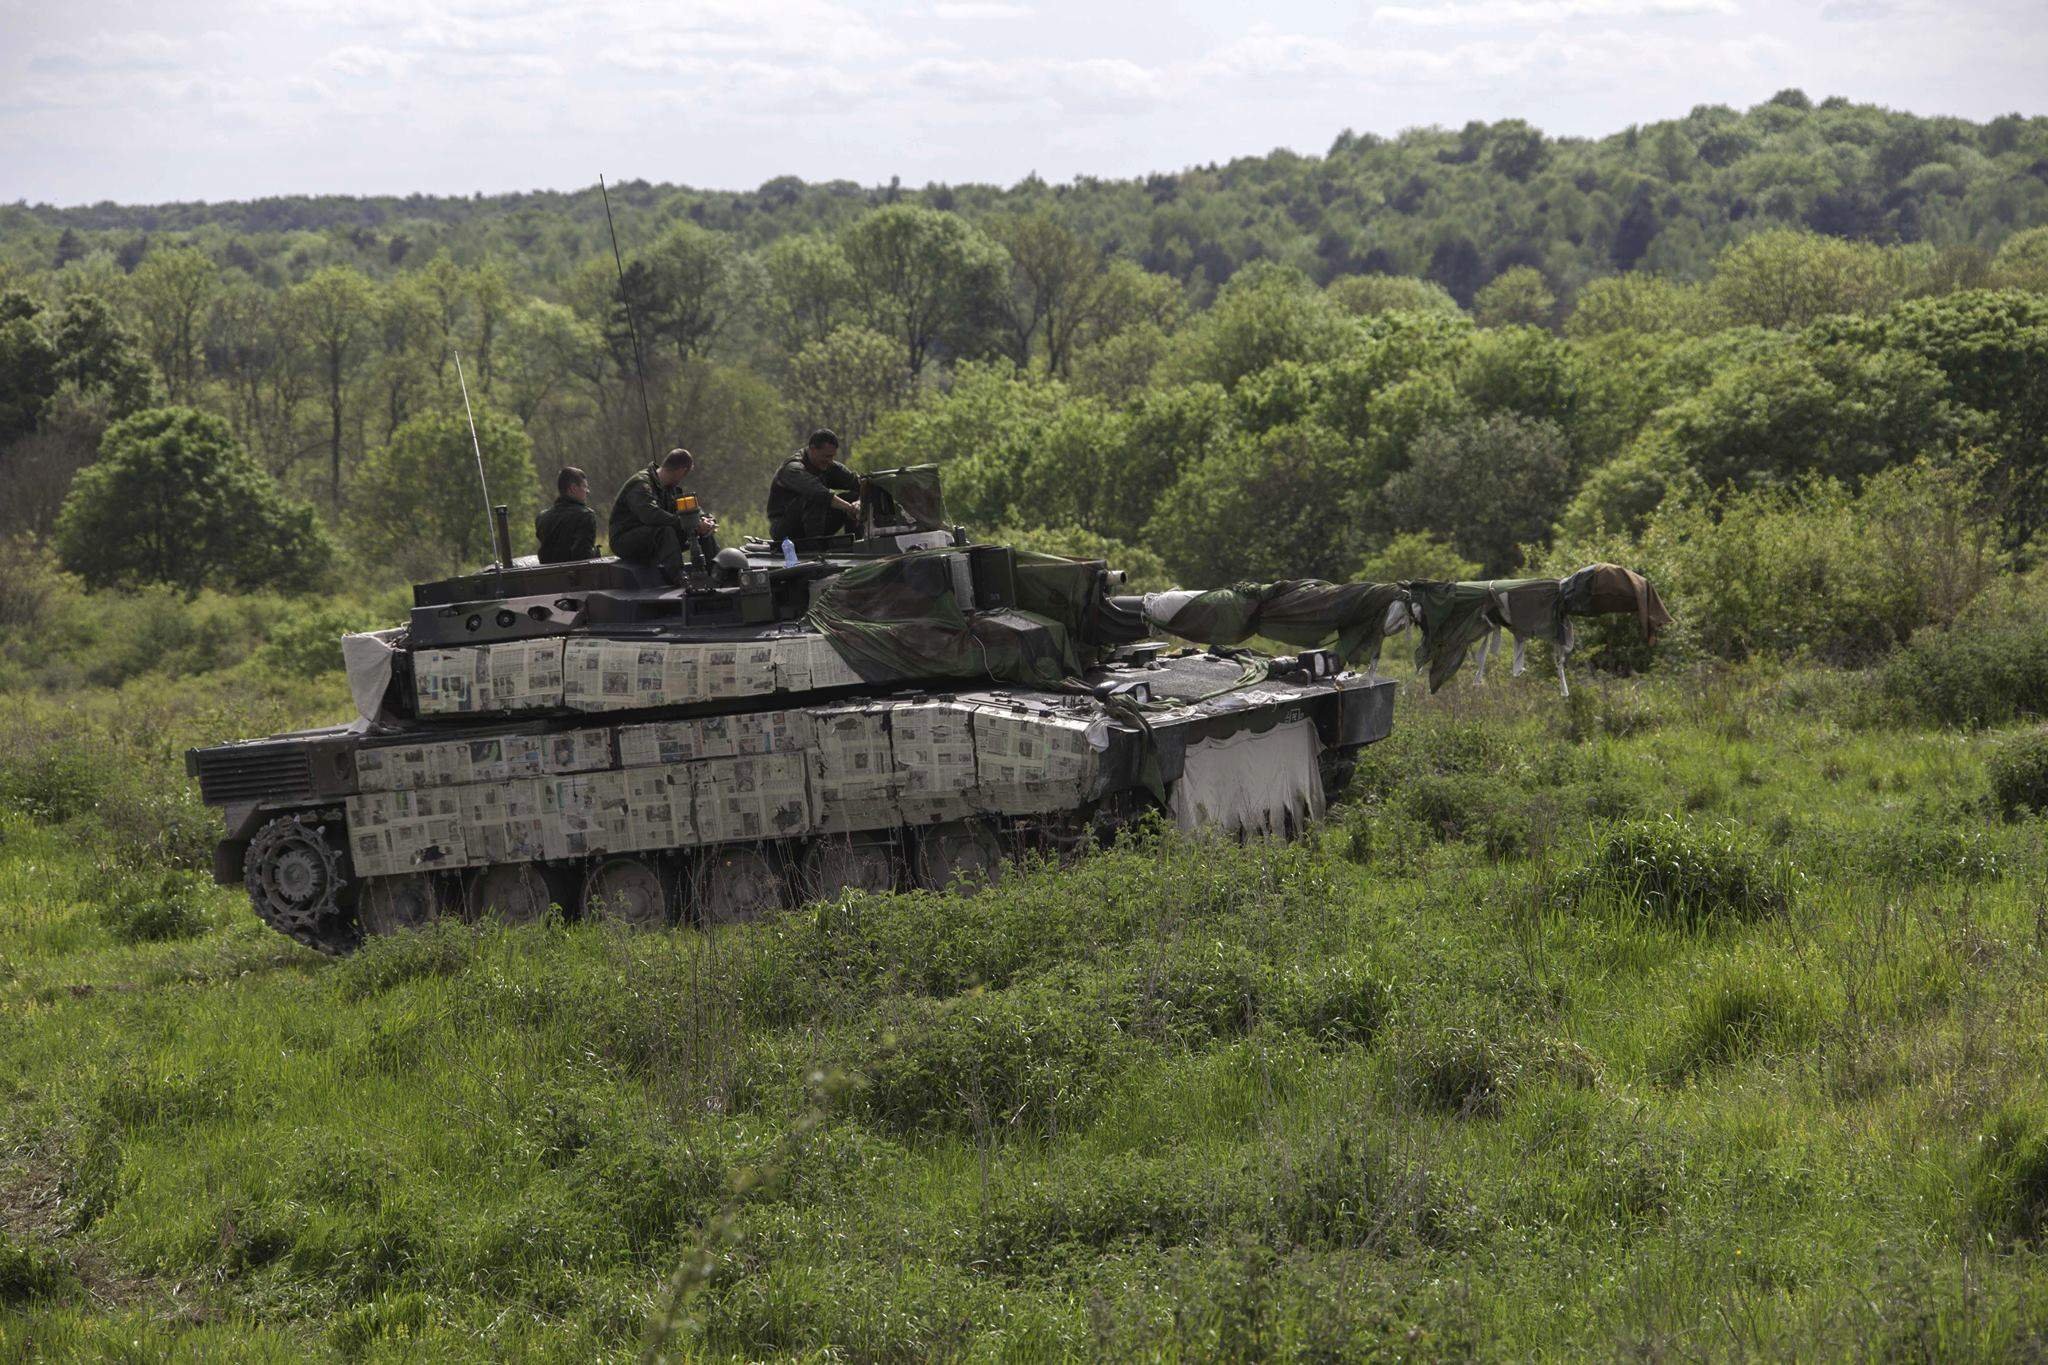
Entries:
{"x":149,"y":100}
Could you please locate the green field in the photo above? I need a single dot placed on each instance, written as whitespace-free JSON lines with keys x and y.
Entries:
{"x":1700,"y":1016}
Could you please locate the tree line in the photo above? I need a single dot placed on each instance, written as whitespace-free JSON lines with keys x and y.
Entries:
{"x":1257,"y":405}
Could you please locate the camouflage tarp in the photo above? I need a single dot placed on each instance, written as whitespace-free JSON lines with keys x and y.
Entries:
{"x":900,"y":619}
{"x":1304,"y":611}
{"x":1455,"y":616}
{"x":907,"y":497}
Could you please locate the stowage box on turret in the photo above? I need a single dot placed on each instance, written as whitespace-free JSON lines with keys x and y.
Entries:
{"x":898,"y":707}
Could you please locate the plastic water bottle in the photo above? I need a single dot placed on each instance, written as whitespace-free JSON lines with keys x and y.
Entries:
{"x":788,"y":554}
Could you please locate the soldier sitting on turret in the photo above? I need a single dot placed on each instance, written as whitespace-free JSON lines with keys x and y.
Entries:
{"x":651,"y":525}
{"x":806,"y":501}
{"x":568,"y":529}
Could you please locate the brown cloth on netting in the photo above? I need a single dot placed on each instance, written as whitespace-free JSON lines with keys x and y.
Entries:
{"x":1610,"y":590}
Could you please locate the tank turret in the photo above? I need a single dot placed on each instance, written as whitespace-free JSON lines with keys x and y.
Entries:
{"x":898,"y":706}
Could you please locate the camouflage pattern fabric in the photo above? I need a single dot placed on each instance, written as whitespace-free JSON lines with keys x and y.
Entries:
{"x":899,"y":620}
{"x":914,"y":497}
{"x":1304,"y":611}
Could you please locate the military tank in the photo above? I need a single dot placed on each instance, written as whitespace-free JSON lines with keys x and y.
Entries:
{"x":896,"y":706}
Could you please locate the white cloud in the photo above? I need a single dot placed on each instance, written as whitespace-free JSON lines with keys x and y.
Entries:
{"x":362,"y":60}
{"x":1529,"y":13}
{"x":979,"y":9}
{"x":139,"y":50}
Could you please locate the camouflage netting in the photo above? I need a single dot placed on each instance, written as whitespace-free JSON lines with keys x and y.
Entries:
{"x":1306,"y":612}
{"x":900,"y":619}
{"x":907,"y":497}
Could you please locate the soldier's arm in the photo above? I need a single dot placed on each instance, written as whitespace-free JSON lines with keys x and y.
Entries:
{"x":796,"y":479}
{"x":645,"y":505}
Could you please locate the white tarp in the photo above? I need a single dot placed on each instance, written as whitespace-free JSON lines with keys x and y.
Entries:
{"x":1252,"y":783}
{"x":367,"y":658}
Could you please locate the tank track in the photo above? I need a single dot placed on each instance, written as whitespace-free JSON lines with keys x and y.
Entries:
{"x":294,"y":877}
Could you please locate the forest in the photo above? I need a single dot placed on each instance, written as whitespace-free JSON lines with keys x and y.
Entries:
{"x":1274,"y":366}
{"x":1696,"y":1014}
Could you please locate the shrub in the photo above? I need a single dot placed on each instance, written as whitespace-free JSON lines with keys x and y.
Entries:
{"x":1032,"y":1057}
{"x":309,"y":645}
{"x":1915,"y":851}
{"x":2019,"y":774}
{"x":2009,"y":1178}
{"x":1735,"y":1018}
{"x":443,"y":948}
{"x":1682,"y":872}
{"x":156,"y":909}
{"x":1473,"y":1074}
{"x":1988,"y":668}
{"x":30,"y":1272}
{"x":175,"y":499}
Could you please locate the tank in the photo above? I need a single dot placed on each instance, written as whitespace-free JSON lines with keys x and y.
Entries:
{"x":898,"y":706}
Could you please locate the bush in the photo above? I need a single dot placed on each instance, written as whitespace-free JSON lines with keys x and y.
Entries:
{"x":1681,"y":872}
{"x":29,"y":1272}
{"x":156,"y":909}
{"x":2019,"y":774}
{"x":1736,"y":1018}
{"x":1988,"y":668}
{"x":1033,"y":1057}
{"x":443,"y":948}
{"x":175,"y":499}
{"x":2009,"y":1178}
{"x":309,"y":645}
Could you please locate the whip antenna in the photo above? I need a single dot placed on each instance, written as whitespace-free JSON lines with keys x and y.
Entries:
{"x":626,"y":302}
{"x":490,"y":526}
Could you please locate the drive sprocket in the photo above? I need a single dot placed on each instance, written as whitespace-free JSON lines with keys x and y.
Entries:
{"x":295,"y":879}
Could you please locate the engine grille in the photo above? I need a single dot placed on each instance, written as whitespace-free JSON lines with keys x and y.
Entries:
{"x":236,"y":773}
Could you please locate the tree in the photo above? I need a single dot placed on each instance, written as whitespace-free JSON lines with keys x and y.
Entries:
{"x":175,"y":499}
{"x":1265,"y":315}
{"x":415,"y":502}
{"x":1640,"y":303}
{"x":847,"y":381}
{"x":1834,"y":410}
{"x":1261,"y":507}
{"x":29,"y":372}
{"x":1368,"y":295}
{"x":810,"y":289}
{"x":102,"y":357}
{"x":1057,"y":282}
{"x":2022,"y":263}
{"x":1784,"y":278}
{"x":171,"y":288}
{"x":1516,"y":150}
{"x":1517,"y":297}
{"x":1489,"y":485}
{"x":683,"y":289}
{"x":923,"y":276}
{"x":337,"y":307}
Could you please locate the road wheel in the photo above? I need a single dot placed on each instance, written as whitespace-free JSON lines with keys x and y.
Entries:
{"x":511,"y":893}
{"x":960,"y":853}
{"x":626,"y":891}
{"x":831,"y":866}
{"x":737,"y":884}
{"x":389,"y":904}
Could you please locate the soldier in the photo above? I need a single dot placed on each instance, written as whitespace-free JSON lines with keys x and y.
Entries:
{"x":805,"y":500}
{"x":648,"y":528}
{"x":568,"y":529}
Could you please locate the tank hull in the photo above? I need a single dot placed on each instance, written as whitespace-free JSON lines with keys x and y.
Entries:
{"x":713,"y":812}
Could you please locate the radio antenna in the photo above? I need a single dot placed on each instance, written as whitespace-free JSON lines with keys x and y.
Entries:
{"x":626,"y":302}
{"x":490,"y":526}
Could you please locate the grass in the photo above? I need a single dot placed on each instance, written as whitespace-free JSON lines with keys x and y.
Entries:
{"x":1697,"y":1017}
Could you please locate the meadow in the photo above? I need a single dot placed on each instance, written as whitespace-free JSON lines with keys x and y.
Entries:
{"x":1699,"y":1015}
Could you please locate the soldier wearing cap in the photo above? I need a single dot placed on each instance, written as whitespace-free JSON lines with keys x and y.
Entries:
{"x":813,"y":494}
{"x":651,"y":522}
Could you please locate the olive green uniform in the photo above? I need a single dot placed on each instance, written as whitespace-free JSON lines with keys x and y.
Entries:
{"x":647,"y":529}
{"x":566,"y":531}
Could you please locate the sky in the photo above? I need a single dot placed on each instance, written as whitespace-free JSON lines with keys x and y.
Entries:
{"x":144,"y":101}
